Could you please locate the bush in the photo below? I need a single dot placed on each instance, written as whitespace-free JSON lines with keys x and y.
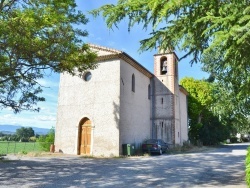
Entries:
{"x":248,"y":167}
{"x":32,"y":139}
{"x":186,"y":146}
{"x":233,"y":139}
{"x":43,"y":143}
{"x":47,"y":140}
{"x":24,"y":140}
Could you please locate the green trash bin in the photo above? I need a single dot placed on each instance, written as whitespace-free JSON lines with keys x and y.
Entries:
{"x":132,"y":150}
{"x":126,"y":149}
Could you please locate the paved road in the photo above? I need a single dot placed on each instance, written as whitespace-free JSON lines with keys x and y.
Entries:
{"x":223,"y":167}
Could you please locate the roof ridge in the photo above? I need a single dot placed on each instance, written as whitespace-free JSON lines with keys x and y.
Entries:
{"x":122,"y":55}
{"x":104,"y":48}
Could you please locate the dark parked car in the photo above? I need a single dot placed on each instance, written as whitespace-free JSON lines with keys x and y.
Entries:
{"x":154,"y":146}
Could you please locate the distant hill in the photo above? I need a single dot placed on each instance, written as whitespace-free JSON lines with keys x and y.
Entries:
{"x":11,"y":129}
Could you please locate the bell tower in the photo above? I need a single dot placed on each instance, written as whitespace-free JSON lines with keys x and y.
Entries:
{"x":165,"y":103}
{"x":166,"y":69}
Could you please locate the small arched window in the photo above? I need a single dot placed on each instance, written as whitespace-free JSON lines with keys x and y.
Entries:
{"x":149,"y":91}
{"x":163,"y":66}
{"x":133,"y":83}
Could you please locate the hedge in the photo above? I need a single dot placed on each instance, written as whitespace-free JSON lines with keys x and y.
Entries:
{"x":248,"y":167}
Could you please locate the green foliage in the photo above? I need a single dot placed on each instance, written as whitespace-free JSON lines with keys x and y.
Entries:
{"x":24,"y":133}
{"x":231,"y":82}
{"x":186,"y":146}
{"x":215,"y":32}
{"x":46,"y":140}
{"x":200,"y":97}
{"x":248,"y":167}
{"x":24,"y":152}
{"x":213,"y":131}
{"x":194,"y":132}
{"x":37,"y":37}
{"x":2,"y":134}
{"x":10,"y":138}
{"x":206,"y":125}
{"x":233,"y":139}
{"x":32,"y":139}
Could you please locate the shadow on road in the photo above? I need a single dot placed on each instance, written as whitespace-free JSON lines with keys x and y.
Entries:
{"x":215,"y":169}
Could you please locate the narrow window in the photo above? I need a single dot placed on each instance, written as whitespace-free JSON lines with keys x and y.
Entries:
{"x":161,"y":130}
{"x":133,"y":83}
{"x":161,"y":100}
{"x":149,"y":91}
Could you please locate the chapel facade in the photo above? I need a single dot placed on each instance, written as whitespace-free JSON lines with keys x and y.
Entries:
{"x":120,"y":102}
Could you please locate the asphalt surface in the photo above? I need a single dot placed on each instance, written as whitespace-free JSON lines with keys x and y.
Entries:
{"x":221,"y":167}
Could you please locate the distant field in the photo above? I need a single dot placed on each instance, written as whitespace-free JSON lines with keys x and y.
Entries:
{"x":17,"y":147}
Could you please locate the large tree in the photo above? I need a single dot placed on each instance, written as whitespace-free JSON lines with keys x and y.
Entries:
{"x":201,"y":97}
{"x":208,"y":121}
{"x":24,"y":133}
{"x":199,"y":28}
{"x":38,"y":36}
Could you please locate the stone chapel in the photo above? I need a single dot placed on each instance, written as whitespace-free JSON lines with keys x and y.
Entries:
{"x":120,"y":102}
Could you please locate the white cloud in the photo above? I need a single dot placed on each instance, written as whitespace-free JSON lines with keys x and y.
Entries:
{"x":7,"y":115}
{"x":48,"y":83}
{"x":46,"y":118}
{"x":8,"y":109}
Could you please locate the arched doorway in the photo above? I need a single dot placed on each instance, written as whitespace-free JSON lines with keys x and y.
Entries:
{"x":85,"y":130}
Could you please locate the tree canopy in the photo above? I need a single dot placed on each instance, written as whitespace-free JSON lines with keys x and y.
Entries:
{"x":208,"y":122}
{"x":215,"y":32}
{"x":200,"y":97}
{"x":24,"y":133}
{"x":37,"y":36}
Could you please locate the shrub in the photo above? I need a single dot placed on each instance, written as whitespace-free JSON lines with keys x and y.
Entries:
{"x":32,"y":139}
{"x":43,"y":143}
{"x":47,"y":140}
{"x":233,"y":139}
{"x":186,"y":146}
{"x":24,"y":140}
{"x":24,"y":152}
{"x":248,"y":167}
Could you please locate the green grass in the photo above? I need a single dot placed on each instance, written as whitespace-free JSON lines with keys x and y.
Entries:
{"x":19,"y":147}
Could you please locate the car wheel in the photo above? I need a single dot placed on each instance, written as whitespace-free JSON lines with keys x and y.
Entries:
{"x":160,"y":152}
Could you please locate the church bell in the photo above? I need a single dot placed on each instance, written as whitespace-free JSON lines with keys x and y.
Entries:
{"x":164,"y":69}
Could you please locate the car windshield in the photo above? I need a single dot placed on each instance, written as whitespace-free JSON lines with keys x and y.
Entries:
{"x":151,"y":141}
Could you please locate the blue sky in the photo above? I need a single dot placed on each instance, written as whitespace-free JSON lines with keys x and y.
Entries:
{"x":119,"y":39}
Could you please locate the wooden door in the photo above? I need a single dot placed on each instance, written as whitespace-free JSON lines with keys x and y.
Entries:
{"x":85,"y":138}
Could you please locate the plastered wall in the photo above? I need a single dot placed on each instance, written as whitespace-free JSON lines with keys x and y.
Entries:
{"x":98,"y":100}
{"x":135,"y":106}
